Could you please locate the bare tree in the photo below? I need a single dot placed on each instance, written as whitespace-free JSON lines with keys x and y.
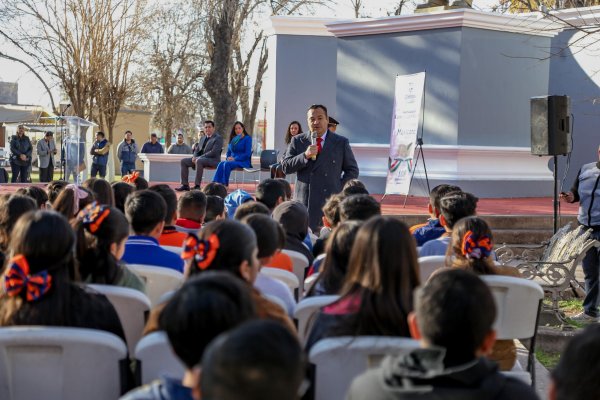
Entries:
{"x":356,"y":6}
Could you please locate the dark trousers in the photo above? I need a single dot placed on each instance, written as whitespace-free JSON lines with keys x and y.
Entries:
{"x":47,"y":174}
{"x":19,"y":171}
{"x":199,"y":166}
{"x":591,"y":270}
{"x":98,"y":169}
{"x":127,"y":167}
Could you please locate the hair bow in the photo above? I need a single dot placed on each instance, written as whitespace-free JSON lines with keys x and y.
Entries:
{"x":17,"y":279}
{"x":78,"y":194}
{"x":476,"y":246}
{"x":203,"y":251}
{"x":131,"y":178}
{"x":93,"y":215}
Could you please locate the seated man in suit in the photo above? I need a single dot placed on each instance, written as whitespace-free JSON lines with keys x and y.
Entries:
{"x":205,"y":153}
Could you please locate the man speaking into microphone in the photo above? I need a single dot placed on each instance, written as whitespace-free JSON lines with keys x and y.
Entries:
{"x":323,"y":162}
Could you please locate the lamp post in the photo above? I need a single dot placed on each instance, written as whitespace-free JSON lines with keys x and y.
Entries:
{"x":264,"y":138}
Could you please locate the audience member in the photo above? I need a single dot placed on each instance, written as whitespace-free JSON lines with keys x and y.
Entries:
{"x":335,"y":264}
{"x":453,"y":320}
{"x":37,"y":285}
{"x":259,"y":360}
{"x":453,"y":207}
{"x":354,"y":186}
{"x":377,"y":293}
{"x":121,"y":190}
{"x":101,"y":235}
{"x":287,"y":187}
{"x":11,"y":209}
{"x":103,"y":192}
{"x":145,"y":210}
{"x":204,"y":307}
{"x":136,"y":180}
{"x":270,"y":239}
{"x":72,"y":199}
{"x":293,"y":216}
{"x":331,"y":219}
{"x":215,"y":209}
{"x":359,"y":207}
{"x":54,"y":188}
{"x":576,"y":375}
{"x":191,"y":211}
{"x":234,"y":199}
{"x":170,"y":235}
{"x":215,"y":189}
{"x":249,"y":208}
{"x":433,"y":229}
{"x":36,"y":193}
{"x":271,"y":193}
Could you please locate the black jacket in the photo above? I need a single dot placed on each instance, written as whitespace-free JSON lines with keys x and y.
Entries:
{"x":18,"y":146}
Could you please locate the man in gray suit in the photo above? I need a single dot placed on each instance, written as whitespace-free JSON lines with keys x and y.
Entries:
{"x":46,"y":149}
{"x":322,"y":168}
{"x":205,"y":153}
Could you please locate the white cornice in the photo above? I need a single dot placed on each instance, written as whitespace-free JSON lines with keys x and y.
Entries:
{"x":303,"y":26}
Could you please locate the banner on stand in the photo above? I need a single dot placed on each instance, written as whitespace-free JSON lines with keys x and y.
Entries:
{"x":408,"y":99}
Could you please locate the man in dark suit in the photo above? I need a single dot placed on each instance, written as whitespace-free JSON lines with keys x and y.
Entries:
{"x":205,"y":153}
{"x":322,"y":168}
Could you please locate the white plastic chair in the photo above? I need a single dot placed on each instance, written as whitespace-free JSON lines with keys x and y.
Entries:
{"x":39,"y":362}
{"x":518,"y":305}
{"x":132,"y":307}
{"x":174,"y":249}
{"x":300,"y":263}
{"x":156,"y":358}
{"x":306,"y":311}
{"x":159,"y":280}
{"x":282,"y":275}
{"x":276,"y":300}
{"x":339,"y":360}
{"x":428,"y":265}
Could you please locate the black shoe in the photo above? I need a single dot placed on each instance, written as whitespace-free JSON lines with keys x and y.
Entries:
{"x":196,"y":187}
{"x":183,"y":188}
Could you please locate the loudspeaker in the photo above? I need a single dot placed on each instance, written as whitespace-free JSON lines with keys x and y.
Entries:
{"x":550,"y":125}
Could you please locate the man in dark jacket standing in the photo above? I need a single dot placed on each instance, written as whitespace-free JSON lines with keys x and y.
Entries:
{"x":20,"y":155}
{"x":323,"y":161}
{"x":99,"y":152}
{"x":453,"y":320}
{"x":152,"y":146}
{"x":127,"y":152}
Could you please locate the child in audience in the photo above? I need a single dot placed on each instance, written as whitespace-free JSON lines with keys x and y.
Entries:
{"x":453,"y":207}
{"x":359,"y":207}
{"x":37,"y":194}
{"x":287,"y":188}
{"x":433,"y":229}
{"x":136,"y":180}
{"x":235,"y":199}
{"x":453,"y":321}
{"x":215,"y":189}
{"x":170,"y":236}
{"x":72,"y":199}
{"x":377,"y":293}
{"x":354,"y":186}
{"x":335,"y":264}
{"x":53,"y":189}
{"x":270,"y":239}
{"x":258,"y":360}
{"x":101,"y":235}
{"x":215,"y":208}
{"x":37,"y":286}
{"x":103,"y":192}
{"x":293,"y":216}
{"x":249,"y":208}
{"x":145,"y":210}
{"x":271,"y":193}
{"x":12,"y":207}
{"x":330,"y":219}
{"x":192,"y":210}
{"x":121,"y":190}
{"x":204,"y":307}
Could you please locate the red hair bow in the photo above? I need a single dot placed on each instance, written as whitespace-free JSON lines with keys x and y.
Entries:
{"x":476,"y":247}
{"x":18,"y":279}
{"x":203,"y":251}
{"x":131,"y":178}
{"x":93,"y":215}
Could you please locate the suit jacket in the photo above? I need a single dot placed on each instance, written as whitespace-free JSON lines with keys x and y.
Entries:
{"x":44,"y":151}
{"x":213,"y":148}
{"x":318,"y":179}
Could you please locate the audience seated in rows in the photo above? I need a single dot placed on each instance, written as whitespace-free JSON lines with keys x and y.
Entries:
{"x":54,"y":188}
{"x":293,"y":216}
{"x":258,"y":360}
{"x":330,"y":219}
{"x":71,"y":199}
{"x":36,"y":193}
{"x":101,"y":233}
{"x":170,"y":236}
{"x":453,"y":207}
{"x":215,"y":189}
{"x":377,"y":293}
{"x":12,"y":207}
{"x":433,"y":229}
{"x":191,"y":210}
{"x":145,"y":210}
{"x":121,"y":190}
{"x":359,"y":207}
{"x":204,"y":307}
{"x":103,"y":192}
{"x":286,"y":187}
{"x":271,"y":193}
{"x":215,"y":208}
{"x":250,"y":207}
{"x":354,"y":186}
{"x":235,"y":199}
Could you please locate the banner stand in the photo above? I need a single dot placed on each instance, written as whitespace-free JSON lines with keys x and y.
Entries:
{"x":422,"y":155}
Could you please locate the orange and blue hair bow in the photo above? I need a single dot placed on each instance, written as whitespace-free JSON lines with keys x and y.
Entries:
{"x":203,"y":251}
{"x":131,"y":178}
{"x":93,"y":215}
{"x":18,"y":279}
{"x":476,"y":246}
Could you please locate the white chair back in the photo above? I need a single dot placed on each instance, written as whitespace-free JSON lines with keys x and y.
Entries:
{"x":156,"y":358}
{"x":174,"y":249}
{"x":428,"y":265}
{"x":282,"y":275}
{"x":159,"y":280}
{"x":132,"y":307}
{"x":306,"y":312}
{"x":276,"y":300}
{"x":339,"y":360}
{"x":300,"y":263}
{"x":61,"y":363}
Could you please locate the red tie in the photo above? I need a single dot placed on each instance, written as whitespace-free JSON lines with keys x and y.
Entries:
{"x":319,"y":144}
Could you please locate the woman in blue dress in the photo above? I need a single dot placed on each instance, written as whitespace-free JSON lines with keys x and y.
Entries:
{"x":239,"y":154}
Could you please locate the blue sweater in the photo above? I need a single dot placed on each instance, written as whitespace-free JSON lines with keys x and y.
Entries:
{"x":145,"y":250}
{"x":241,"y":151}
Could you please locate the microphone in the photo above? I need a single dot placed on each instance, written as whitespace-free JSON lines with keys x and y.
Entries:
{"x":313,"y":141}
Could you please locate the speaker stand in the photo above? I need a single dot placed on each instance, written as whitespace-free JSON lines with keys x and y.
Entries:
{"x":555,"y":193}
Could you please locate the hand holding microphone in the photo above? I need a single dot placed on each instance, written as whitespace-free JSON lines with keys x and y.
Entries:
{"x":312,"y":150}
